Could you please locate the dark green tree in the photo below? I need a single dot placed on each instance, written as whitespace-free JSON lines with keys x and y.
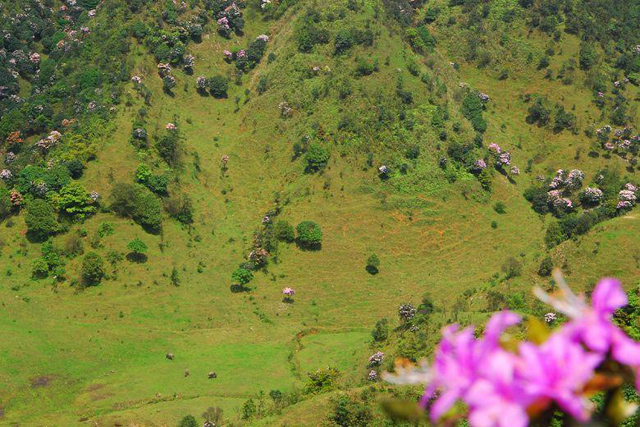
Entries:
{"x":373,"y":262}
{"x":92,"y":269}
{"x":317,"y":157}
{"x":41,"y":219}
{"x":242,"y":276}
{"x":218,"y":86}
{"x":138,"y":249}
{"x":381,"y":330}
{"x":284,"y":231}
{"x":309,"y":235}
{"x":546,"y":266}
{"x":188,"y":421}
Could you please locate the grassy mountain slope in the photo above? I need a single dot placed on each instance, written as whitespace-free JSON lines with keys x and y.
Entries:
{"x":73,"y":355}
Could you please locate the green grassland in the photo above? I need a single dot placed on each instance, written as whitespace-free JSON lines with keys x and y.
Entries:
{"x":96,"y":356}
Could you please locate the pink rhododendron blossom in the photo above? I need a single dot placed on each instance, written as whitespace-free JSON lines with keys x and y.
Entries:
{"x":498,"y":398}
{"x":495,"y":148}
{"x":480,"y":164}
{"x":558,"y":370}
{"x":502,"y":387}
{"x":289,"y":292}
{"x":593,"y":325}
{"x":504,"y":159}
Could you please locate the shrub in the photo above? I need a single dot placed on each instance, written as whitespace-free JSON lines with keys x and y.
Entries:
{"x":343,"y":42}
{"x":143,"y":173}
{"x":373,"y":262}
{"x":309,"y":234}
{"x":75,"y":168}
{"x":41,"y":219}
{"x":168,"y":83}
{"x":317,"y":157}
{"x":73,"y":245}
{"x":499,"y":207}
{"x":75,"y":201}
{"x":426,"y":306}
{"x":175,"y":278}
{"x":106,"y":229}
{"x":588,"y":56}
{"x":348,"y":412}
{"x":39,"y":269}
{"x":180,"y":209}
{"x":544,"y":62}
{"x":249,"y":409}
{"x":554,"y":235}
{"x":218,"y":86}
{"x":537,"y":196}
{"x":431,"y":15}
{"x":263,"y":85}
{"x":6,"y":207}
{"x":512,"y":268}
{"x":242,"y":276}
{"x":472,"y":109}
{"x":92,"y":269}
{"x":420,"y":39}
{"x":188,"y":421}
{"x":381,"y":330}
{"x":321,"y":380}
{"x":539,"y":112}
{"x":168,"y":147}
{"x":137,"y":246}
{"x":546,"y":266}
{"x":363,"y":67}
{"x":159,"y":184}
{"x":284,"y":231}
{"x":138,"y":203}
{"x":563,"y":120}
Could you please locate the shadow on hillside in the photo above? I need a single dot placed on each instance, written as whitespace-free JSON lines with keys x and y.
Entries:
{"x":151,"y":230}
{"x":236,"y":289}
{"x":137,"y":258}
{"x":36,"y":238}
{"x":307,"y":247}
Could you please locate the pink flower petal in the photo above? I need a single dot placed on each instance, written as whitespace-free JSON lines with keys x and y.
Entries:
{"x":608,"y":296}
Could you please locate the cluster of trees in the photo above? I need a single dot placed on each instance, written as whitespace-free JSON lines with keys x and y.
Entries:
{"x":472,"y":109}
{"x":575,"y":222}
{"x":52,"y":199}
{"x":311,"y":31}
{"x":138,"y":203}
{"x":38,"y":50}
{"x":252,"y":55}
{"x":307,"y":235}
{"x":540,"y":112}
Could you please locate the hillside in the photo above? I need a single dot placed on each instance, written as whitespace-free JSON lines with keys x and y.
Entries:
{"x":366,"y":117}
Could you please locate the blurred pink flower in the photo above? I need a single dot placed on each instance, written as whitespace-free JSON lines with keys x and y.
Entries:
{"x":559,"y":370}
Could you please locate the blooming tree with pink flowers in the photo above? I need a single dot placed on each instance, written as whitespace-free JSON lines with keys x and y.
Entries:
{"x":288,"y":294}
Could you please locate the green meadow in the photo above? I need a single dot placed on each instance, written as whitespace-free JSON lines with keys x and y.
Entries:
{"x":96,"y":355}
